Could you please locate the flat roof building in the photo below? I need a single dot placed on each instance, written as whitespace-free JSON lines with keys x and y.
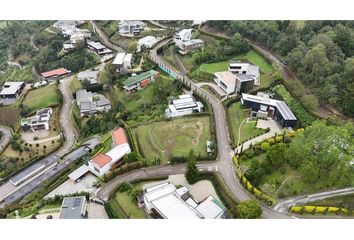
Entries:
{"x":147,"y":42}
{"x":12,"y":90}
{"x":98,"y":48}
{"x":73,"y":208}
{"x":183,"y":105}
{"x":38,"y":122}
{"x":122,"y":60}
{"x":88,"y":75}
{"x":189,"y":46}
{"x":131,"y":27}
{"x":265,"y":107}
{"x":240,"y":68}
{"x":91,"y":103}
{"x":165,"y":201}
{"x":234,"y":83}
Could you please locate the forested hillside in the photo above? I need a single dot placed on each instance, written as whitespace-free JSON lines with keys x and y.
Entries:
{"x":320,"y":54}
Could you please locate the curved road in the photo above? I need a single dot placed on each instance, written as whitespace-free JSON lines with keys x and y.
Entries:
{"x":223,"y":165}
{"x":5,"y":139}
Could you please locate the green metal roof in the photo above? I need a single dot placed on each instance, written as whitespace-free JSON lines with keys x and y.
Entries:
{"x":25,"y":121}
{"x":134,"y":80}
{"x":217,"y":202}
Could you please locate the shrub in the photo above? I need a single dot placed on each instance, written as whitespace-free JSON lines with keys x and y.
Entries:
{"x":320,"y":209}
{"x":265,"y":146}
{"x":296,"y":209}
{"x":249,"y":153}
{"x":278,"y":139}
{"x":271,"y":141}
{"x":249,"y":186}
{"x":333,"y":209}
{"x":309,"y":209}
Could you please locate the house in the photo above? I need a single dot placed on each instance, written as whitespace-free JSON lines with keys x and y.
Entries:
{"x":102,"y":163}
{"x":88,"y":75}
{"x":131,"y":28}
{"x":232,"y":83}
{"x":137,"y":82}
{"x":122,"y":60}
{"x":12,"y":90}
{"x":73,"y":208}
{"x":184,"y":35}
{"x":67,"y":27}
{"x":55,"y":74}
{"x":91,"y":103}
{"x":226,"y":81}
{"x":98,"y":48}
{"x":147,"y":42}
{"x":164,"y":200}
{"x":239,"y":68}
{"x":68,"y":47}
{"x":189,"y":46}
{"x":184,"y":105}
{"x":38,"y":122}
{"x":265,"y":107}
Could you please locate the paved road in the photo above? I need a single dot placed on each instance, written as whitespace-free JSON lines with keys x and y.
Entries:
{"x":283,"y":205}
{"x":104,"y":37}
{"x":6,"y":136}
{"x":32,"y":185}
{"x":64,"y":119}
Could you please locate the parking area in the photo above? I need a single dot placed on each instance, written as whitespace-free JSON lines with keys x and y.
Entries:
{"x":96,"y":211}
{"x":69,"y":187}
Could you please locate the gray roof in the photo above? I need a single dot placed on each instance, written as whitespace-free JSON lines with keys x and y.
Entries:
{"x":88,"y":75}
{"x":87,"y":106}
{"x":73,"y":208}
{"x":253,"y":70}
{"x":244,"y":77}
{"x":102,"y":102}
{"x":82,"y":94}
{"x":285,"y":111}
{"x":34,"y":168}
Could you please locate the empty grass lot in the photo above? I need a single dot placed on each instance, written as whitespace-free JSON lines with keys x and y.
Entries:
{"x":173,"y":138}
{"x":239,"y":125}
{"x":42,"y":97}
{"x":125,"y":207}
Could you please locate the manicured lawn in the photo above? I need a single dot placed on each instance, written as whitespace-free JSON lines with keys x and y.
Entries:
{"x":173,"y":138}
{"x":129,"y":207}
{"x":237,"y":117}
{"x":42,"y":97}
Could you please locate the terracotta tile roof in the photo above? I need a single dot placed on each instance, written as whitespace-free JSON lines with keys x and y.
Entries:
{"x":101,"y":160}
{"x":144,"y":83}
{"x":119,"y":136}
{"x":59,"y":72}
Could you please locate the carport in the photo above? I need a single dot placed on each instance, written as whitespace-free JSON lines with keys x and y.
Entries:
{"x":78,"y":173}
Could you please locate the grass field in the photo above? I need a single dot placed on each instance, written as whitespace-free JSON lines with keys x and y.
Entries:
{"x":237,"y":117}
{"x":251,"y":56}
{"x":173,"y":138}
{"x":13,"y":73}
{"x":124,"y":207}
{"x":42,"y":97}
{"x":75,"y":85}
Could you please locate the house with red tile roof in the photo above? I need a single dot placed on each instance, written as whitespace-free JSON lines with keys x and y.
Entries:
{"x":102,"y":163}
{"x":55,"y":74}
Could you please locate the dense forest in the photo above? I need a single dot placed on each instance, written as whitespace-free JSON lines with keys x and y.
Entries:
{"x":320,"y":54}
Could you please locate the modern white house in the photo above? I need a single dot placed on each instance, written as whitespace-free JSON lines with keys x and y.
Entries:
{"x":122,"y":60}
{"x":226,"y":81}
{"x":38,"y":122}
{"x":190,"y":45}
{"x":184,"y":35}
{"x":239,"y":68}
{"x":147,"y":42}
{"x":164,"y":200}
{"x":102,"y":163}
{"x":131,"y":28}
{"x":183,"y":105}
{"x":12,"y":90}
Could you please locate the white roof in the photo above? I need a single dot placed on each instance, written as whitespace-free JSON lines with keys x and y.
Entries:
{"x":280,"y":105}
{"x":118,"y":152}
{"x":96,"y":45}
{"x":119,"y":58}
{"x":191,"y":203}
{"x":79,"y":172}
{"x":184,"y":101}
{"x":182,"y":190}
{"x":173,"y":207}
{"x":10,"y":87}
{"x":88,"y":74}
{"x":163,"y":190}
{"x":148,"y":40}
{"x":210,"y":208}
{"x":226,"y":77}
{"x":128,"y":57}
{"x":150,"y":189}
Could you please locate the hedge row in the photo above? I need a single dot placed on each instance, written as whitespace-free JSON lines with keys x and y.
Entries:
{"x":248,"y":185}
{"x":320,"y":210}
{"x":121,"y":170}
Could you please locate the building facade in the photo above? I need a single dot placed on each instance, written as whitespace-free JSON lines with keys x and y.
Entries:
{"x":184,"y":105}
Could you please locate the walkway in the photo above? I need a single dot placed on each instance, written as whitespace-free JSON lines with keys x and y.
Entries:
{"x":283,"y":206}
{"x":5,"y":139}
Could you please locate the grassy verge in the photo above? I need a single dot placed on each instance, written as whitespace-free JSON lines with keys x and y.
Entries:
{"x":75,"y":84}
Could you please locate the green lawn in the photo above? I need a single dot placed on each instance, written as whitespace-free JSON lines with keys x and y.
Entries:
{"x":237,"y":115}
{"x":13,"y":73}
{"x":75,"y":84}
{"x":173,"y":138}
{"x":42,"y":97}
{"x":207,"y":69}
{"x":129,"y":207}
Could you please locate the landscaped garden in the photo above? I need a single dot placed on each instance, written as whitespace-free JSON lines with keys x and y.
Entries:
{"x":160,"y":141}
{"x":300,"y":162}
{"x":241,"y":128}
